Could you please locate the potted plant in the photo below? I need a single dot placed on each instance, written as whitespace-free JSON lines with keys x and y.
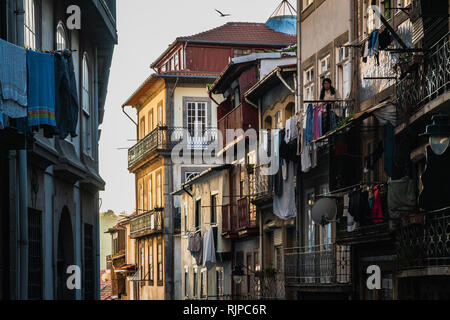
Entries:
{"x":250,"y":167}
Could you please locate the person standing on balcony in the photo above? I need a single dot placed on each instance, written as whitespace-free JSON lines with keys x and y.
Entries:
{"x":328,"y":91}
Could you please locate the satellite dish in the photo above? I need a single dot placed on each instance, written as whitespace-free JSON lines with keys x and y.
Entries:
{"x":324,"y":210}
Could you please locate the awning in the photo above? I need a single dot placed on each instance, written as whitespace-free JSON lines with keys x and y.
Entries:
{"x":360,"y":116}
{"x":126,"y":268}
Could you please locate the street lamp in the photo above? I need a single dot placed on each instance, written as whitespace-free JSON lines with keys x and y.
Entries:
{"x":438,"y":133}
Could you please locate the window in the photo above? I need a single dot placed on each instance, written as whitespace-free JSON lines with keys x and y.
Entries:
{"x":150,"y":194}
{"x":186,"y":216}
{"x":141,"y":198}
{"x":30,"y":24}
{"x":150,"y":261}
{"x":195,"y":283}
{"x":278,"y":257}
{"x":278,"y":120}
{"x":150,"y":121}
{"x":189,"y":175}
{"x":343,"y":71}
{"x":198,"y":213}
{"x":242,"y":52}
{"x":142,"y":266}
{"x":160,"y":113}
{"x":196,"y":119}
{"x":35,"y":276}
{"x":181,"y":60}
{"x":309,"y":223}
{"x":203,"y":284}
{"x":61,"y":40}
{"x":172,"y":64}
{"x":163,"y":69}
{"x":186,"y":281}
{"x":219,"y":282}
{"x":177,"y":61}
{"x":86,"y":99}
{"x":160,"y":263}
{"x":324,"y":68}
{"x":213,"y":209}
{"x":142,"y":127}
{"x":309,"y":83}
{"x":159,"y":187}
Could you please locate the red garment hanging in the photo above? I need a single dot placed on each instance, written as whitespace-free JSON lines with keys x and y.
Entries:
{"x":377,"y":210}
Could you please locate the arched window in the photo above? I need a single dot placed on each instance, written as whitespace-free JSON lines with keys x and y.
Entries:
{"x":268,"y":122}
{"x":61,"y":39}
{"x":86,"y":104}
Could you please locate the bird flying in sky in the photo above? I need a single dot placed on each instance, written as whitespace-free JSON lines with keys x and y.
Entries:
{"x":223,"y":14}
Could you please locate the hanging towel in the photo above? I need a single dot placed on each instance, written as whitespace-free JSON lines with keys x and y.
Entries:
{"x":293,"y":128}
{"x":41,"y":89}
{"x":287,"y":137}
{"x":351,"y":224}
{"x":66,"y":98}
{"x":13,"y":80}
{"x":209,"y":251}
{"x":377,"y":211}
{"x":316,"y":122}
{"x":284,"y":204}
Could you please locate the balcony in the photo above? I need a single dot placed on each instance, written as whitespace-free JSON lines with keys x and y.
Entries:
{"x":259,"y":186}
{"x":239,"y":219}
{"x":363,"y":234}
{"x":147,"y":223}
{"x":323,"y":265}
{"x":426,"y":80}
{"x":425,"y":243}
{"x":164,"y":139}
{"x":242,"y":117}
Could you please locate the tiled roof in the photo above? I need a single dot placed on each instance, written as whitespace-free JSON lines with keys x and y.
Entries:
{"x":243,"y":32}
{"x":189,"y":73}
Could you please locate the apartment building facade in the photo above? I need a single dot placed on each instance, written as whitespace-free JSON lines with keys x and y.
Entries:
{"x":50,"y":208}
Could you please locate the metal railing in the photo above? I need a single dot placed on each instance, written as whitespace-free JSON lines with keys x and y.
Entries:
{"x":425,"y":244}
{"x":259,"y":184}
{"x":327,"y":264}
{"x":429,"y":80}
{"x":151,"y":221}
{"x":165,"y":139}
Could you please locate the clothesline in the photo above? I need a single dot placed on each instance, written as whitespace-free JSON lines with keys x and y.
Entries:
{"x":362,"y":184}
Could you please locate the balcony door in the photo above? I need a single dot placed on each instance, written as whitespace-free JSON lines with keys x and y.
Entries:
{"x":196,"y":124}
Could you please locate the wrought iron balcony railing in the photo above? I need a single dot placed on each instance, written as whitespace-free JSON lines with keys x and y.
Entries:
{"x":147,"y":223}
{"x":259,"y":185}
{"x":425,"y":244}
{"x":426,"y":82}
{"x":165,"y":139}
{"x":327,"y":264}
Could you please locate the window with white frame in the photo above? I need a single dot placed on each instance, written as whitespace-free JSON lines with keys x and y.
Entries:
{"x":30,"y":25}
{"x":343,"y":71}
{"x":61,"y":39}
{"x":160,"y":262}
{"x":309,"y":83}
{"x":324,"y":68}
{"x":86,"y":101}
{"x":196,"y":118}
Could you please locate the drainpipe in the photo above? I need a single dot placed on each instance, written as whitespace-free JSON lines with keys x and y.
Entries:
{"x":350,"y":40}
{"x":23,"y":193}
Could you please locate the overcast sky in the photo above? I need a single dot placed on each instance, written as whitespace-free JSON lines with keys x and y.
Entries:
{"x":146,"y":28}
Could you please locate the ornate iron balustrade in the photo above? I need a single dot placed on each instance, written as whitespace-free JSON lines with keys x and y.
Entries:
{"x":259,"y":184}
{"x":327,"y":264}
{"x":149,"y":222}
{"x":165,"y":139}
{"x":429,"y":80}
{"x":425,"y":244}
